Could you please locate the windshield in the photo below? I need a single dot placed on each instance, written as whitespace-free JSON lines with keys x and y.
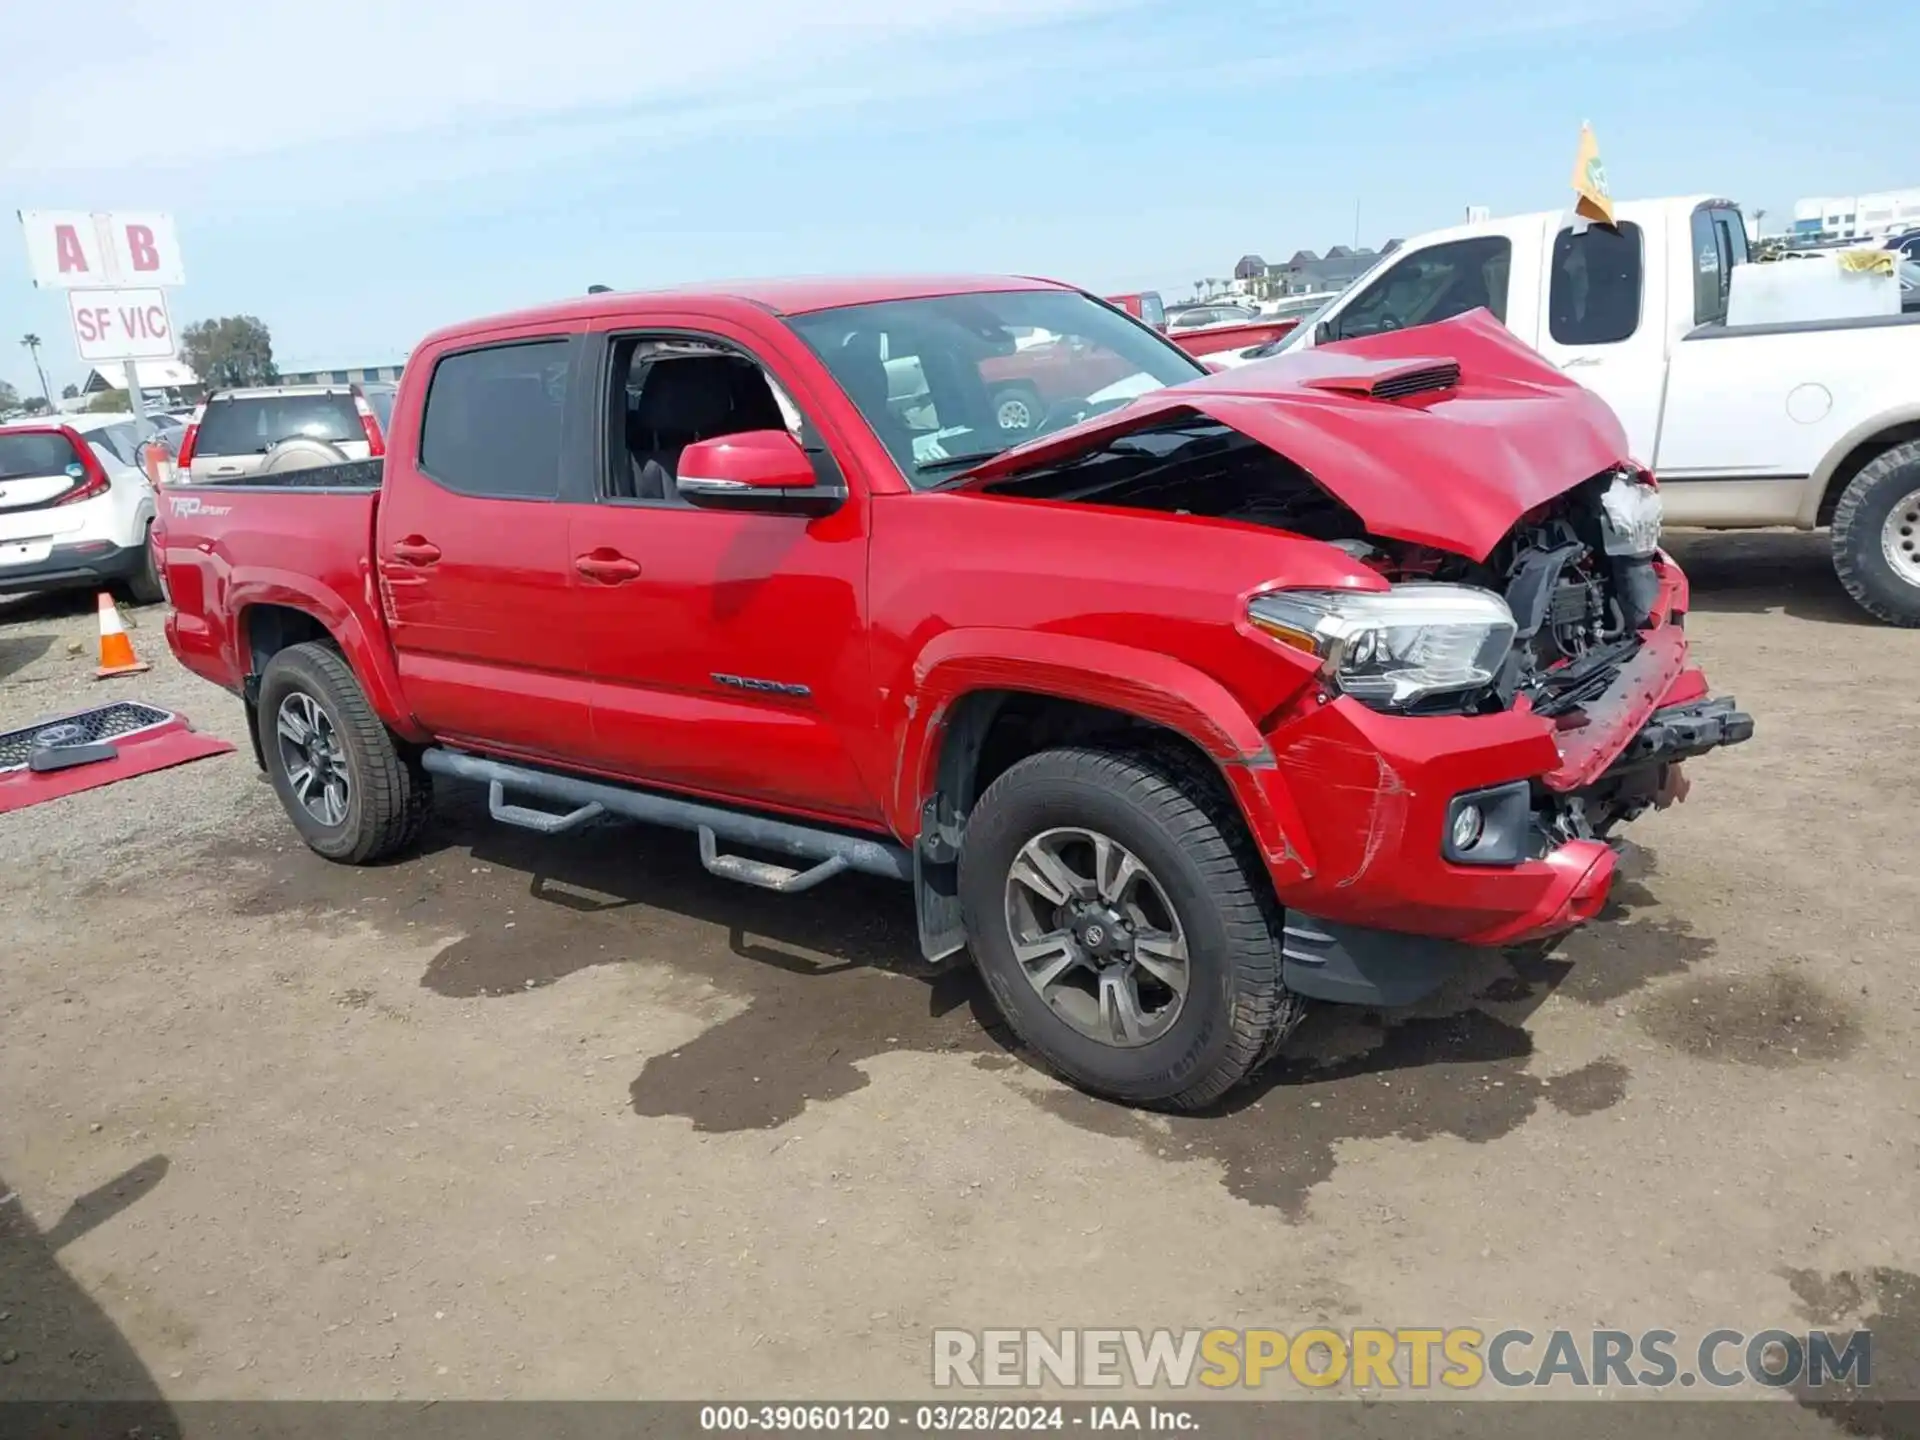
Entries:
{"x":950,"y":381}
{"x":1297,"y":337}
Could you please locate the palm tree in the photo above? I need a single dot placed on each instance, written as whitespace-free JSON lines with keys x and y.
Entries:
{"x":31,"y":342}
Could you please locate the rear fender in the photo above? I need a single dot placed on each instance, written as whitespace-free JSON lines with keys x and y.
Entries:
{"x":1151,"y":686}
{"x":368,"y":655}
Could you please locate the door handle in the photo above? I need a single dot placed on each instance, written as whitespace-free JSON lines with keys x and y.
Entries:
{"x":415,"y":551}
{"x":609,"y":567}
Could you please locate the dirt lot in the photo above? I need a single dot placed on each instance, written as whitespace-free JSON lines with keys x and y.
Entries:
{"x":521,"y":1117}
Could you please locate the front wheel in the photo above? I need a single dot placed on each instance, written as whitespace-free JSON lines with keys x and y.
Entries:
{"x":1124,"y":925}
{"x":349,"y":791}
{"x":1876,"y":536}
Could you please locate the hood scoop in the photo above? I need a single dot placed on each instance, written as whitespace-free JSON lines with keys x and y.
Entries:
{"x":1392,"y":382}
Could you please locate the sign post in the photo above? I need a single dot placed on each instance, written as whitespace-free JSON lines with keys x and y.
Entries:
{"x":113,"y":265}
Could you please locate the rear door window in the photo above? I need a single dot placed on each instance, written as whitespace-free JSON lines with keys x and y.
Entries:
{"x":1594,"y":295}
{"x":1432,"y":285}
{"x":1712,"y":267}
{"x":252,"y":425}
{"x":1152,"y":311}
{"x":118,"y":441}
{"x":493,"y":421}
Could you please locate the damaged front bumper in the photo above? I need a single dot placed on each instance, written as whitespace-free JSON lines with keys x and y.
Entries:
{"x":1681,"y":732}
{"x":1380,"y":905}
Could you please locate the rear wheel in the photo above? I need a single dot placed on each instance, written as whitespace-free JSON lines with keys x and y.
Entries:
{"x":143,"y":585}
{"x":1876,"y":536}
{"x":344,"y":782}
{"x":1125,"y":925}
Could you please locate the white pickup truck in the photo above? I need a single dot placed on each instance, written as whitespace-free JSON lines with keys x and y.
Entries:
{"x":1805,"y":423}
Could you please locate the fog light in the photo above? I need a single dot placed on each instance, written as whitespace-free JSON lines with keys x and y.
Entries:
{"x":1489,"y":827}
{"x":1468,"y":825}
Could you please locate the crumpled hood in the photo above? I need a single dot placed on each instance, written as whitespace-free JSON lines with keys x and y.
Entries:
{"x":1450,"y":463}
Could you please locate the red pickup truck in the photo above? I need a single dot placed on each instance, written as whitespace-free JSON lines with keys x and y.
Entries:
{"x":1220,"y":692}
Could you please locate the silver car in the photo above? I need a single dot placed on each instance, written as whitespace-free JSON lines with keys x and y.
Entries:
{"x":237,"y":434}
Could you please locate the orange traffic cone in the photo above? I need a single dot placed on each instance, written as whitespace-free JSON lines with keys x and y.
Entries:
{"x":116,"y":650}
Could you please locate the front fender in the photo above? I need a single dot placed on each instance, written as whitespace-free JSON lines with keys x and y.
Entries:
{"x":362,"y":642}
{"x":1143,"y":683}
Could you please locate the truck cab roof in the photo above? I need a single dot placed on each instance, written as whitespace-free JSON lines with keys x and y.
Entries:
{"x":797,"y":296}
{"x":1625,"y":211}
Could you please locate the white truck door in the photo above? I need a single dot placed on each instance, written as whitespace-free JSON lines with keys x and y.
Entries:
{"x":1603,"y":300}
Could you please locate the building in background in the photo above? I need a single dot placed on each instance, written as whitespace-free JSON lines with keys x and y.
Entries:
{"x":1306,"y":273}
{"x":167,"y":383}
{"x":1855,"y":217}
{"x":304,"y":374}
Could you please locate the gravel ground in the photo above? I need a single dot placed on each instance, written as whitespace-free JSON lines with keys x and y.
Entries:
{"x":517,"y":1117}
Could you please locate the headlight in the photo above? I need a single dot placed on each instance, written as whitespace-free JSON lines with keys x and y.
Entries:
{"x":1390,"y":649}
{"x":1630,"y":515}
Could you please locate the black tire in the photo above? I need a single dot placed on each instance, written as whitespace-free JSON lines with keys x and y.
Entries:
{"x":143,"y":585}
{"x":1859,"y":523}
{"x":1177,"y":818}
{"x":388,"y":794}
{"x":1011,"y":398}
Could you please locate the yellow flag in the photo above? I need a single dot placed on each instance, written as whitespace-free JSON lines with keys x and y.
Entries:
{"x":1590,"y":180}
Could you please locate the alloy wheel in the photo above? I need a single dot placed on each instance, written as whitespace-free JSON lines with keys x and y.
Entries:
{"x":1096,"y":936}
{"x":315,"y":763}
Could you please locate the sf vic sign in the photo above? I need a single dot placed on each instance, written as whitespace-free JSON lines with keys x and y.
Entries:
{"x":112,"y":266}
{"x":121,"y":324}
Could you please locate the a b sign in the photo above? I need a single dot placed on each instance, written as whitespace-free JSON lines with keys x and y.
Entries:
{"x":121,"y":324}
{"x":73,"y":249}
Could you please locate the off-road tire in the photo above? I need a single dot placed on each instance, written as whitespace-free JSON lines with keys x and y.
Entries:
{"x":389,"y":794}
{"x":1174,"y":813}
{"x":143,"y":585}
{"x":1858,"y":521}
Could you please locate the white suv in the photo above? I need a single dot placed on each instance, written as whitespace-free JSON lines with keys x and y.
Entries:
{"x":75,"y":507}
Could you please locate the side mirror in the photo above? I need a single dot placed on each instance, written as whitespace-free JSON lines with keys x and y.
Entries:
{"x":760,"y":470}
{"x":1323,"y":332}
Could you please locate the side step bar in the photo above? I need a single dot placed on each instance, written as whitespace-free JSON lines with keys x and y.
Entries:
{"x":826,"y":852}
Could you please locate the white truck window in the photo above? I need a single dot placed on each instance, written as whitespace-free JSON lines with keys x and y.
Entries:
{"x":1719,"y":243}
{"x":1598,"y":274}
{"x":1431,"y":285}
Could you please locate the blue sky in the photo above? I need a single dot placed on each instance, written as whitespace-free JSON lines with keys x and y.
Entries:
{"x":358,"y":172}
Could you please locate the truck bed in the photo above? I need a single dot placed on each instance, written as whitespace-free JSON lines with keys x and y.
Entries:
{"x":354,"y":475}
{"x":301,"y":540}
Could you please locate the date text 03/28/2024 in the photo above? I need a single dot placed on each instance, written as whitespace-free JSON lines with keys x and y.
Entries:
{"x":940,"y":1419}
